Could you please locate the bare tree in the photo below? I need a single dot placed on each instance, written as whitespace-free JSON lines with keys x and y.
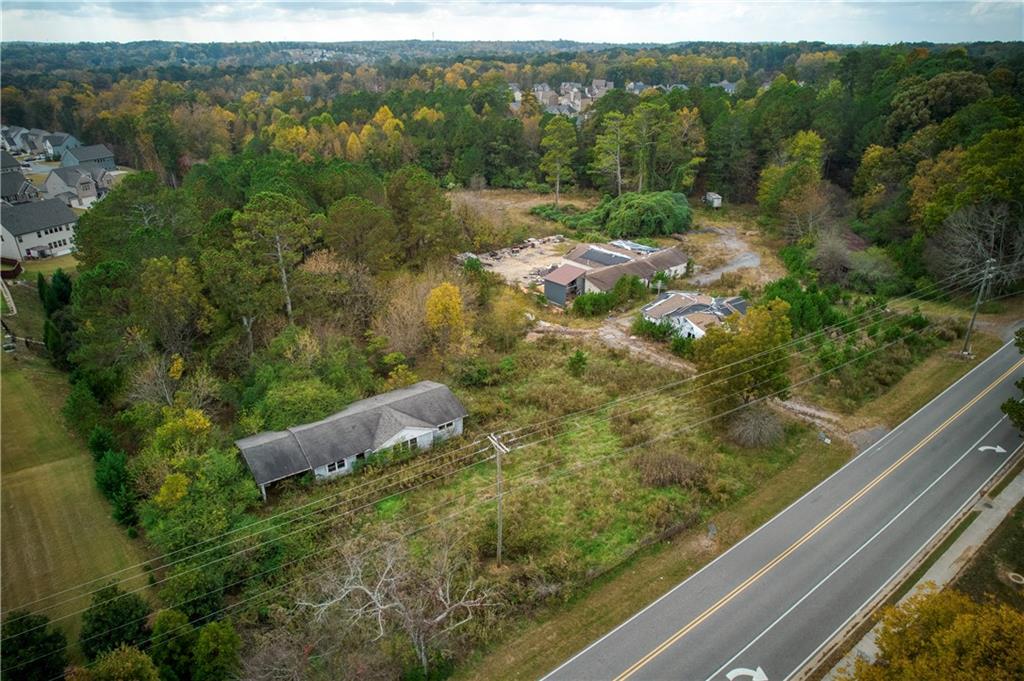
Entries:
{"x":972,"y":235}
{"x":425,"y":600}
{"x":832,"y":257}
{"x":153,"y":381}
{"x":807,"y":213}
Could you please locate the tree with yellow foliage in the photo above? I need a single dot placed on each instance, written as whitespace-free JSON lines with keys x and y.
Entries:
{"x":444,"y":317}
{"x":945,"y":636}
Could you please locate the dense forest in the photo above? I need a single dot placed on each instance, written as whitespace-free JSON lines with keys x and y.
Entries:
{"x":287,"y":249}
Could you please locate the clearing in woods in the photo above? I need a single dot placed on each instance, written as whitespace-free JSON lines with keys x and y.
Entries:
{"x":57,"y":530}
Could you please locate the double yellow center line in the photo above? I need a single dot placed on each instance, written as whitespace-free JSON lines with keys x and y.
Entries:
{"x":812,"y":532}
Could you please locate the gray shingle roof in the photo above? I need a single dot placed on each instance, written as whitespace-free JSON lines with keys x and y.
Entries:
{"x":362,"y":426}
{"x":8,"y":161}
{"x":93,"y":152}
{"x":32,"y":217}
{"x":12,"y":184}
{"x":56,"y":139}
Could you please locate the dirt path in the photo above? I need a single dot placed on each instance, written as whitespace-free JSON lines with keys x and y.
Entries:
{"x":742,"y":255}
{"x":720,"y":249}
{"x":615,"y":333}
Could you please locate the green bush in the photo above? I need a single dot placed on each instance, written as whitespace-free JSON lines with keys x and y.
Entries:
{"x":81,"y":409}
{"x":101,"y":441}
{"x":682,"y":346}
{"x":662,"y":331}
{"x":646,"y":215}
{"x":577,"y":363}
{"x":114,"y":618}
{"x":631,"y":215}
{"x":33,"y":651}
{"x":111,"y":473}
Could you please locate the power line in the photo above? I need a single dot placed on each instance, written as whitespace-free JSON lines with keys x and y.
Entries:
{"x":570,"y":471}
{"x":398,"y":481}
{"x":689,"y":426}
{"x":535,"y":428}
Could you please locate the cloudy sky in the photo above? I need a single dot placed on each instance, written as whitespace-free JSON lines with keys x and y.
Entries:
{"x":838,"y":21}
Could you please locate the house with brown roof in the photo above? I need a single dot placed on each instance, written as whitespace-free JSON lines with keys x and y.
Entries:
{"x":691,"y":313}
{"x":669,"y":260}
{"x":563,"y":283}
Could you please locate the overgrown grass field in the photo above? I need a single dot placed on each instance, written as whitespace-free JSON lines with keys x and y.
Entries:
{"x":57,"y":531}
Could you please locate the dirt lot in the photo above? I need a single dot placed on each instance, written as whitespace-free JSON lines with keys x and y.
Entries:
{"x":527,"y":265}
{"x":729,"y":242}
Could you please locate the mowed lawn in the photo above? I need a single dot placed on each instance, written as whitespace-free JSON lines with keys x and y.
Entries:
{"x":56,"y":531}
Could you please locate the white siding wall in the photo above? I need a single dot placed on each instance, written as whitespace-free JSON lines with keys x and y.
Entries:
{"x":17,"y":247}
{"x":43,"y":239}
{"x":425,"y":438}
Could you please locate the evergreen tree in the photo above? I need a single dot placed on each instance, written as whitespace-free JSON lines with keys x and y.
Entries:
{"x":32,"y":651}
{"x":559,"y":144}
{"x":113,"y":619}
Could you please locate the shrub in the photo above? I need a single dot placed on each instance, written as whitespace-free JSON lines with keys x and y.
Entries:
{"x":294,"y":402}
{"x":666,"y":467}
{"x":795,"y":258}
{"x":101,"y":440}
{"x":577,"y":363}
{"x":629,"y":424}
{"x":216,"y":652}
{"x":650,"y":214}
{"x":111,"y":473}
{"x":662,"y":331}
{"x":593,"y":304}
{"x":755,"y":426}
{"x":82,"y":409}
{"x":682,"y":346}
{"x":630,"y":215}
{"x":125,"y":663}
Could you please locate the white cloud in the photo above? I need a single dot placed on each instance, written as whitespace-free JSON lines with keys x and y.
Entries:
{"x":615,"y":21}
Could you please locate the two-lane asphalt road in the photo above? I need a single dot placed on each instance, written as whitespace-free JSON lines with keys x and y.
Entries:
{"x":762,"y":609}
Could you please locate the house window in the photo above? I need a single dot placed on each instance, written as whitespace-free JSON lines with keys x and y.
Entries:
{"x":336,"y":466}
{"x":361,"y":456}
{"x":446,"y":426}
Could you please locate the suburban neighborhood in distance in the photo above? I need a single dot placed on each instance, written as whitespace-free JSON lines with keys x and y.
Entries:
{"x":564,"y":341}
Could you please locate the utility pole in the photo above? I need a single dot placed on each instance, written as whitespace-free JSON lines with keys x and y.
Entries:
{"x":977,"y":302}
{"x":499,"y":449}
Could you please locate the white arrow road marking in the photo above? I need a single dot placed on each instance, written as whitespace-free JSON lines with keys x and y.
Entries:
{"x":754,"y":674}
{"x":989,"y":448}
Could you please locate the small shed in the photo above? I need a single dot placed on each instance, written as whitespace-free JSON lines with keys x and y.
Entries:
{"x":712,"y":199}
{"x":564,"y":282}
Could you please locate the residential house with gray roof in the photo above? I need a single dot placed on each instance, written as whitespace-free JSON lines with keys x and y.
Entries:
{"x":38,"y":229}
{"x":78,"y":185}
{"x":59,"y":142}
{"x":15,"y":188}
{"x":9,"y":164}
{"x":404,"y":420}
{"x":94,"y":153}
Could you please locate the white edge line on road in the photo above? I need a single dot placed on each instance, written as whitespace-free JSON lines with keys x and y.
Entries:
{"x":898,"y":572}
{"x":778,"y":515}
{"x":867,"y":543}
